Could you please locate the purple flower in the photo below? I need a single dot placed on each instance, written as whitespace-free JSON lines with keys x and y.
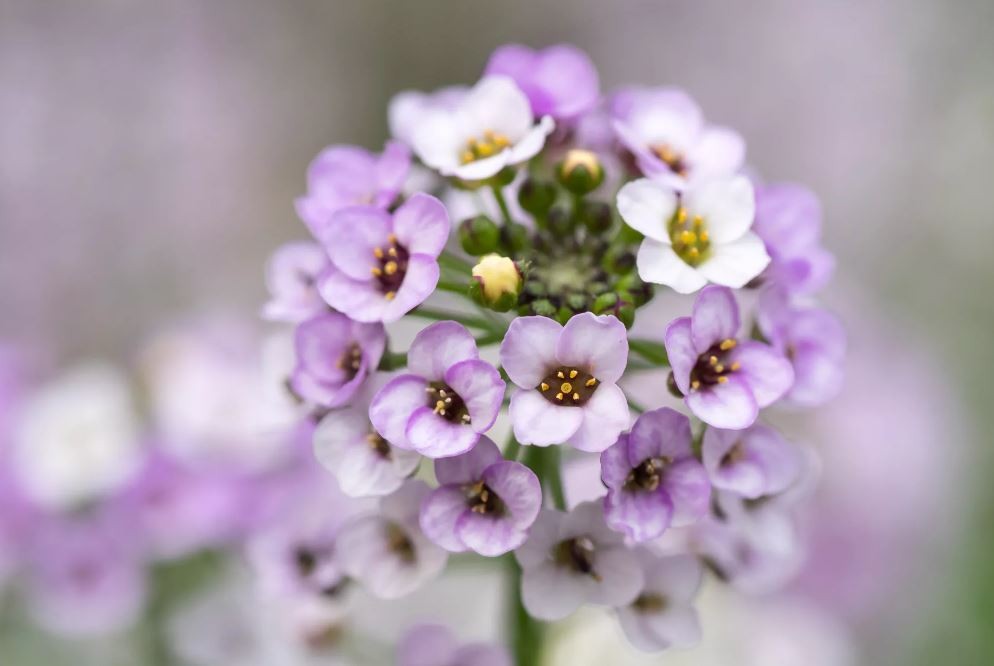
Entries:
{"x":434,"y":645}
{"x":570,"y":559}
{"x":388,"y":552}
{"x":788,"y":219}
{"x":334,"y":356}
{"x":653,"y":479}
{"x":814,"y":341}
{"x":725,"y":381}
{"x":343,"y":176}
{"x":446,"y":401}
{"x":696,"y":235}
{"x":489,"y":128}
{"x":408,"y":108}
{"x":364,"y":463}
{"x":383,"y":265}
{"x":484,"y":503}
{"x":291,"y":277}
{"x":662,"y":615}
{"x":665,"y":131}
{"x":753,"y":462}
{"x":567,"y":380}
{"x":560,"y":81}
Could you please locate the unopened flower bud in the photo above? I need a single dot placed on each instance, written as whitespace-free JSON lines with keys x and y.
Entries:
{"x":580,"y":172}
{"x":596,"y":216}
{"x":496,"y":283}
{"x":536,"y":197}
{"x":514,"y":236}
{"x":479,"y":235}
{"x":561,"y":223}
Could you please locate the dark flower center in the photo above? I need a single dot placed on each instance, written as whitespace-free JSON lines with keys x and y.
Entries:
{"x":579,"y":554}
{"x":649,"y":602}
{"x":672,"y":158}
{"x":648,"y":474}
{"x":446,"y":403}
{"x":391,"y":266}
{"x":712,"y":366}
{"x":379,"y":445}
{"x":567,"y":386}
{"x":481,"y":499}
{"x":400,"y":544}
{"x":306,"y":561}
{"x":734,"y":455}
{"x":350,"y":361}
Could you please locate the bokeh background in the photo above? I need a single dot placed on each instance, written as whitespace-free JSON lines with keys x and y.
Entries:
{"x":150,"y":153}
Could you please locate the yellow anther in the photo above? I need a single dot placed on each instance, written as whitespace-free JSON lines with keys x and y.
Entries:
{"x":681,"y":215}
{"x":560,"y":375}
{"x":573,"y":374}
{"x":704,"y":237}
{"x":566,"y":387}
{"x":376,"y":271}
{"x":391,"y":266}
{"x":713,"y":360}
{"x":390,"y":295}
{"x":698,"y":221}
{"x":559,"y":396}
{"x":467,"y":157}
{"x":392,"y":238}
{"x":727,"y":344}
{"x":576,"y":397}
{"x":591,"y":382}
{"x":544,"y":386}
{"x":719,"y":368}
{"x":722,"y":380}
{"x":378,"y":252}
{"x":392,"y":252}
{"x":694,"y":385}
{"x":735,"y":366}
{"x":694,"y":253}
{"x":688,"y":237}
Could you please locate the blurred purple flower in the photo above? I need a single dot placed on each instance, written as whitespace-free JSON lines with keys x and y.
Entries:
{"x":291,"y":278}
{"x":343,"y":176}
{"x":387,"y":552}
{"x":753,"y":462}
{"x":665,"y":130}
{"x":484,"y":503}
{"x":560,"y":81}
{"x":573,"y":558}
{"x":334,"y":357}
{"x":434,"y":645}
{"x":725,"y":381}
{"x":383,"y":265}
{"x":788,"y":219}
{"x":446,"y":401}
{"x":567,"y":380}
{"x":364,"y":463}
{"x":653,"y":479}
{"x":662,"y":616}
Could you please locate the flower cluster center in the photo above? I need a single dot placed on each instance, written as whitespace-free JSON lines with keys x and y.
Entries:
{"x":648,"y":474}
{"x":390,"y":266}
{"x":689,"y":236}
{"x":568,"y":386}
{"x":446,"y":403}
{"x":712,"y":366}
{"x":483,"y":500}
{"x":378,"y":444}
{"x":672,"y":158}
{"x":579,"y":554}
{"x":479,"y":148}
{"x":350,"y":361}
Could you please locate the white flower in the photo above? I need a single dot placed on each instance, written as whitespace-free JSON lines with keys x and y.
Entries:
{"x":488,"y":129}
{"x":77,"y":438}
{"x":696,"y":236}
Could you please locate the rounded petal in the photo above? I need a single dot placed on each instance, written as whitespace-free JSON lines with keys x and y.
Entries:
{"x":518,"y":488}
{"x":718,"y":153}
{"x":422,"y":225}
{"x":438,"y":347}
{"x":352,"y":236}
{"x":659,"y":264}
{"x":615,"y":466}
{"x":440,"y":512}
{"x":359,"y":299}
{"x":497,"y":104}
{"x":648,"y":206}
{"x":818,"y":377}
{"x":767,"y":463}
{"x":426,"y":644}
{"x":393,"y":405}
{"x":480,"y":169}
{"x":596,"y":343}
{"x":550,"y":592}
{"x":468,"y":467}
{"x":767,"y":372}
{"x":715,"y":317}
{"x":660,"y":432}
{"x":482,"y":390}
{"x":728,"y":207}
{"x":528,"y":351}
{"x":639,"y":515}
{"x":605,"y":416}
{"x":730,"y":405}
{"x":686,"y":482}
{"x":488,"y":535}
{"x":531,"y":143}
{"x":543,"y":536}
{"x":681,"y":352}
{"x":621,"y":577}
{"x":537,"y":421}
{"x":735,"y":264}
{"x":420,"y":280}
{"x":435,"y":437}
{"x":673,"y":627}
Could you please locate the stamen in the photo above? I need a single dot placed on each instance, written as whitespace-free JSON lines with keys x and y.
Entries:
{"x":572,"y":374}
{"x":391,"y":266}
{"x":544,"y":386}
{"x":390,"y":295}
{"x":728,"y":344}
{"x":571,"y":382}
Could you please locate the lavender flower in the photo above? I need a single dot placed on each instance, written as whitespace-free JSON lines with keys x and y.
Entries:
{"x":567,"y":380}
{"x":560,"y":81}
{"x":388,"y":552}
{"x":812,"y":339}
{"x":573,"y":558}
{"x":694,"y":236}
{"x":383,"y":265}
{"x":753,"y":462}
{"x":491,"y":127}
{"x":725,"y":381}
{"x":364,"y":463}
{"x":788,"y":219}
{"x":434,"y":645}
{"x":343,"y":176}
{"x":291,"y":277}
{"x":484,"y":503}
{"x":653,"y":479}
{"x":334,"y":357}
{"x":662,"y":615}
{"x":665,"y":131}
{"x":446,"y":401}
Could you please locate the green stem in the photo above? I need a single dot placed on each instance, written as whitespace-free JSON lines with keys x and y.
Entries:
{"x":452,"y":287}
{"x":525,"y":633}
{"x":654,"y":352}
{"x":392,"y":361}
{"x":502,"y":204}
{"x":545,"y":462}
{"x":454,"y":262}
{"x":636,"y":407}
{"x":469,"y":321}
{"x":512,"y":448}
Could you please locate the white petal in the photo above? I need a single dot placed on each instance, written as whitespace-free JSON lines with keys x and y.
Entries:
{"x":532,"y":142}
{"x":497,"y":104}
{"x":550,"y":592}
{"x":727,"y":206}
{"x":734,"y":264}
{"x":647,"y":206}
{"x":658,"y":263}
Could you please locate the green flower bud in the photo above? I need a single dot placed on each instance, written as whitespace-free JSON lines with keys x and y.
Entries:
{"x":544,"y":308}
{"x":514,"y":237}
{"x":479,"y":235}
{"x":596,"y":216}
{"x":580,"y":172}
{"x":561,"y":223}
{"x":496,"y":283}
{"x":537,"y":197}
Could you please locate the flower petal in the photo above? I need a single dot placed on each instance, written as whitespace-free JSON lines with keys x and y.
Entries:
{"x":640,"y":515}
{"x":728,"y":207}
{"x":352,"y":236}
{"x":359,"y":299}
{"x":518,"y":488}
{"x":605,"y":416}
{"x":531,"y":143}
{"x":735,"y":264}
{"x":528,"y":351}
{"x":660,"y":432}
{"x":648,"y":206}
{"x":435,"y":437}
{"x":767,"y":372}
{"x":497,"y":104}
{"x":718,"y":153}
{"x":659,"y":264}
{"x":681,"y":352}
{"x":730,"y":405}
{"x":438,"y":347}
{"x":615,"y":466}
{"x":715,"y":317}
{"x":686,"y":482}
{"x":422,"y":225}
{"x":468,"y":467}
{"x":537,"y":421}
{"x":489,"y":536}
{"x":550,"y":592}
{"x":596,"y":343}
{"x":393,"y":405}
{"x":440,"y":511}
{"x":482,"y":390}
{"x":621,"y":577}
{"x":419,"y":282}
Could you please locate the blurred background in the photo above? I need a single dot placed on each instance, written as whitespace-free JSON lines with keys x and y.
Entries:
{"x":150,"y":154}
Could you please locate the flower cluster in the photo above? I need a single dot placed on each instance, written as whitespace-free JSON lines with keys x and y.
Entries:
{"x":566,"y":212}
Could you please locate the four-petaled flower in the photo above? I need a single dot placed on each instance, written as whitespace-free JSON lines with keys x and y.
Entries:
{"x":753,"y":462}
{"x":662,"y":615}
{"x":291,"y":278}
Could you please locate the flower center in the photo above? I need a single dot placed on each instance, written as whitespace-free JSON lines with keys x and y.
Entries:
{"x":568,"y":386}
{"x":390,"y":267}
{"x":735,"y":454}
{"x":378,"y":444}
{"x":578,"y":554}
{"x":446,"y":403}
{"x":350,"y":361}
{"x":400,"y":544}
{"x":648,"y":474}
{"x":481,"y":499}
{"x":649,"y":602}
{"x":479,"y":148}
{"x":712,"y":366}
{"x":689,"y":236}
{"x":672,"y":158}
